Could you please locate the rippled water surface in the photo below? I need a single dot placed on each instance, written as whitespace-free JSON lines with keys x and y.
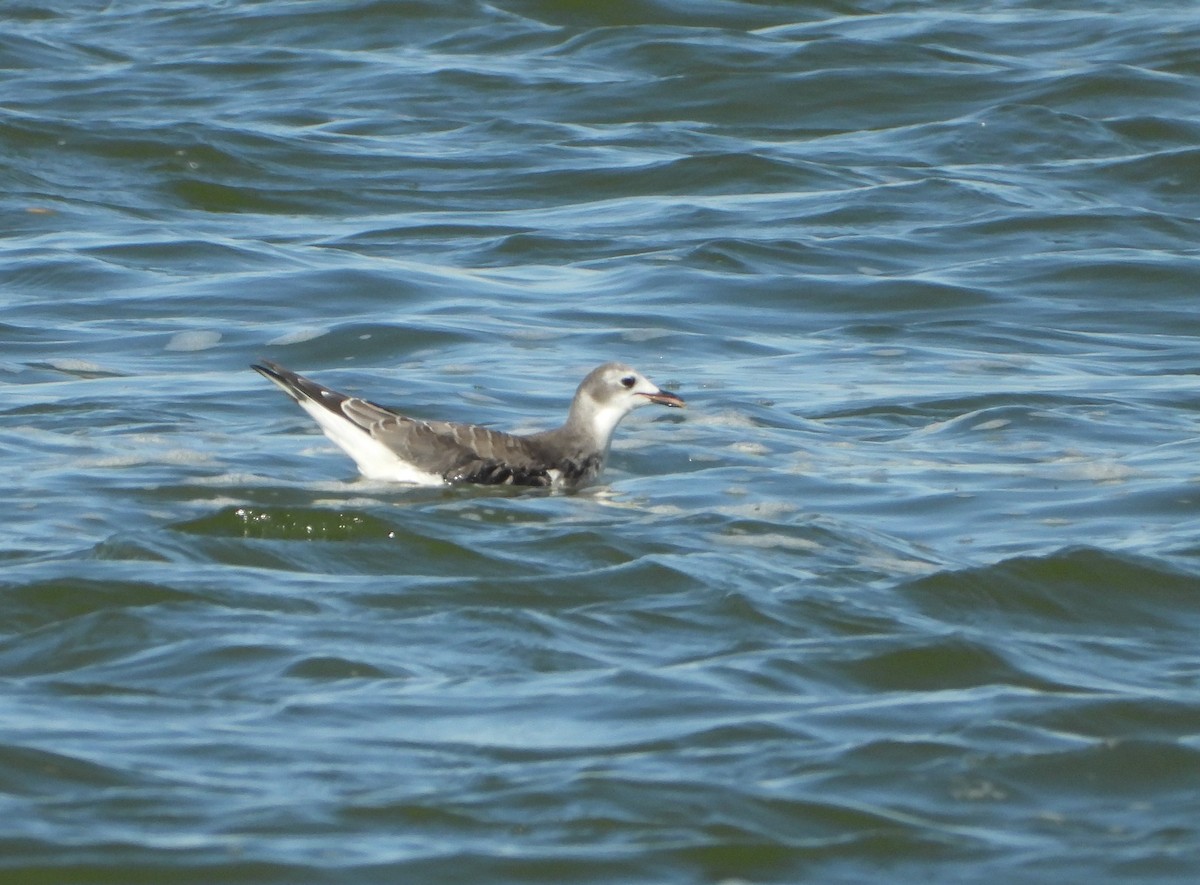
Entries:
{"x":911,"y":591}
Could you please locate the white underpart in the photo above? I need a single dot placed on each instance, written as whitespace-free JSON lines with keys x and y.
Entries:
{"x":374,"y":459}
{"x":606,"y":419}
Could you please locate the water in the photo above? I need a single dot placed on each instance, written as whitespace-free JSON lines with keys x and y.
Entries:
{"x":910,"y":591}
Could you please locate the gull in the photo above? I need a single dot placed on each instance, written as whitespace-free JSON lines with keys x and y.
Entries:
{"x":389,"y":446}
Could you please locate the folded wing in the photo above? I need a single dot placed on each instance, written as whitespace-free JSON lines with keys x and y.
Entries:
{"x":456,"y":452}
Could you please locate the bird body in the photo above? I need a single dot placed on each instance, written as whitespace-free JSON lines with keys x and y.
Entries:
{"x":389,"y":446}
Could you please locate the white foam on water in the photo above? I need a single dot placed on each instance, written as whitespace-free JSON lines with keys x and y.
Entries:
{"x":298,"y":336}
{"x":76,"y":366}
{"x":194,"y":340}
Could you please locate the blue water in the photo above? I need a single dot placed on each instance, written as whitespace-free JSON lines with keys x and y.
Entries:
{"x":910,"y":591}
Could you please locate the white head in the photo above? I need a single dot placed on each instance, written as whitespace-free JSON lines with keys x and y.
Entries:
{"x":608,"y":394}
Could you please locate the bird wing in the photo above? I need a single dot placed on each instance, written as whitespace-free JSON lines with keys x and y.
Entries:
{"x":457,"y":452}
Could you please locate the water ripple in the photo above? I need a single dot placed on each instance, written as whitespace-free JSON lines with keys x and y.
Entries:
{"x":907,"y":592}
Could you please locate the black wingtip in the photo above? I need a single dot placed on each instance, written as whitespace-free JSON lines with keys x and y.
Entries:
{"x":266,"y":367}
{"x":292,"y":384}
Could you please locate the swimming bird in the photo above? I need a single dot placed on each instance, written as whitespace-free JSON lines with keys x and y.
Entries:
{"x":389,"y":446}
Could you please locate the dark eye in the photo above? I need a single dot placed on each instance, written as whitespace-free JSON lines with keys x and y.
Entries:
{"x":628,"y":381}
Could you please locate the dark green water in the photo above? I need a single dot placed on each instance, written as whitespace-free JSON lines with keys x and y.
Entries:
{"x":910,"y":592}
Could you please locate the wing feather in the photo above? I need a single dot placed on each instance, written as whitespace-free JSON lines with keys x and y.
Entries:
{"x":457,"y":452}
